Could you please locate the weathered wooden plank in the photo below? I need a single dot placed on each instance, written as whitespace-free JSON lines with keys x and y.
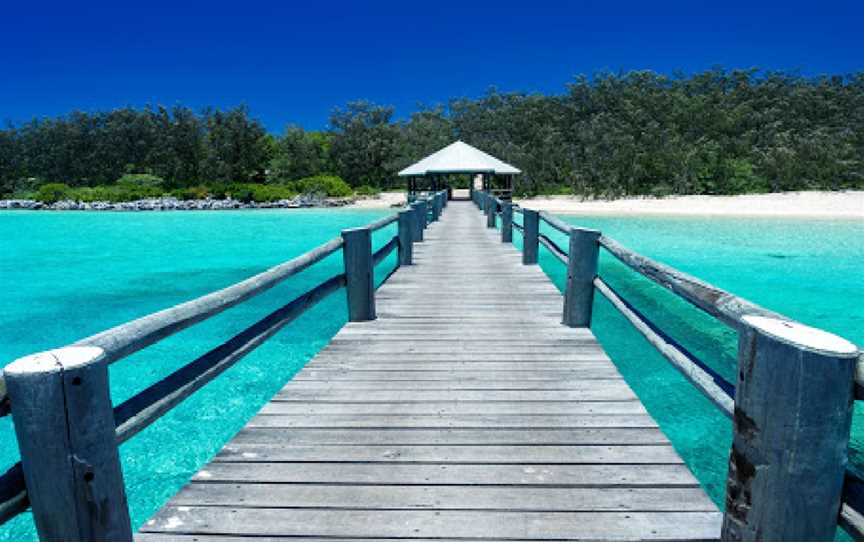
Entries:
{"x":172,"y":537}
{"x":506,"y":350}
{"x":421,"y":375}
{"x":467,"y":357}
{"x":533,"y":421}
{"x":449,"y":436}
{"x":654,"y":454}
{"x":602,"y":392}
{"x":511,"y":475}
{"x":363,"y":341}
{"x":445,"y":523}
{"x":316,"y":408}
{"x":430,"y":497}
{"x":581,"y":384}
{"x":534,"y":366}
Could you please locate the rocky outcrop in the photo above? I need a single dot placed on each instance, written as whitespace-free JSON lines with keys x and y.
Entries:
{"x":174,"y":204}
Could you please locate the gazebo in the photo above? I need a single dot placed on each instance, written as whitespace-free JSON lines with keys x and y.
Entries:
{"x":434,"y":172}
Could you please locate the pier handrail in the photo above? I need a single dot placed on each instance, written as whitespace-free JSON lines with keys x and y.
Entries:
{"x":38,"y":479}
{"x":764,"y":335}
{"x":726,"y":307}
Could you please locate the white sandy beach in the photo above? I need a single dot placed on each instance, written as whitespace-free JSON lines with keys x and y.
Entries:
{"x":816,"y":204}
{"x":382,"y":201}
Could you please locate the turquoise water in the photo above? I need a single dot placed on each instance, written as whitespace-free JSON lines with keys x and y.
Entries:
{"x":809,"y":270}
{"x":67,"y":275}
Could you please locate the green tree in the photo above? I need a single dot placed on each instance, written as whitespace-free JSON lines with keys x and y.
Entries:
{"x":364,"y":143}
{"x":299,"y":154}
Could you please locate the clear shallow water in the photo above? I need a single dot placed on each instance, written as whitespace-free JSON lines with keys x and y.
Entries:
{"x":67,"y":275}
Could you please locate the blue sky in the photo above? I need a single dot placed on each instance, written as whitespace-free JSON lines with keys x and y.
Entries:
{"x":292,"y":62}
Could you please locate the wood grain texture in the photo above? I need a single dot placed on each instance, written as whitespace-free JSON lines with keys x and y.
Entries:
{"x":65,"y":430}
{"x":790,"y":439}
{"x":464,"y":411}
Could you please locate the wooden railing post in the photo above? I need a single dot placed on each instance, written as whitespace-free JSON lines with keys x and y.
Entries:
{"x":64,"y":424}
{"x":530,"y":236}
{"x":507,"y":222}
{"x":417,"y":222}
{"x":793,"y":409}
{"x":581,"y":269}
{"x":406,"y":236}
{"x":491,"y":214}
{"x":424,"y":215}
{"x":359,"y":274}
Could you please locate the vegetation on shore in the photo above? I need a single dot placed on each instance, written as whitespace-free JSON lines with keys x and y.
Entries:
{"x":640,"y":133}
{"x":132,"y":187}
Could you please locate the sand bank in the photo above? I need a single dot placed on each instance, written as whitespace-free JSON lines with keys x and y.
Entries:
{"x":816,"y":204}
{"x":383,"y":200}
{"x":845,"y":205}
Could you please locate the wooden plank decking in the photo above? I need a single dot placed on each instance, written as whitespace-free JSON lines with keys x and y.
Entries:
{"x":465,"y":411}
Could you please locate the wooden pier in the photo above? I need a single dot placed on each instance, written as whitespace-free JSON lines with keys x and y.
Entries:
{"x":466,"y":399}
{"x":466,"y":410}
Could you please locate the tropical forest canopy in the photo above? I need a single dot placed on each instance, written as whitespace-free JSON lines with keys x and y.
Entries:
{"x":716,"y":132}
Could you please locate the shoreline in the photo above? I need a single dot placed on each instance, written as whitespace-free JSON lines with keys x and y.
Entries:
{"x":841,"y":205}
{"x":847,"y":205}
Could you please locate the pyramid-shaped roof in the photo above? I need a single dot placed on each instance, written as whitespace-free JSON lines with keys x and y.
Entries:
{"x":459,"y":157}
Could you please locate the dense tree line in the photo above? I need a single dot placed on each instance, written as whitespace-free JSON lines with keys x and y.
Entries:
{"x":714,"y":132}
